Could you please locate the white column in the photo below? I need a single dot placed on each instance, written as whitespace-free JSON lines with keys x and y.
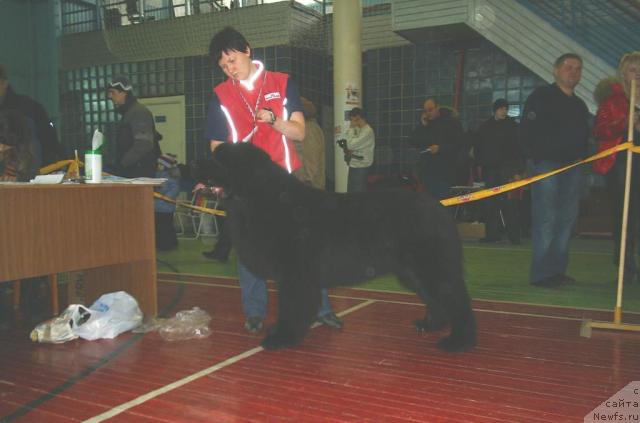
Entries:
{"x":347,"y":75}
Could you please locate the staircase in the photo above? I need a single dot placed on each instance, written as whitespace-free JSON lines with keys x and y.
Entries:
{"x":536,"y":32}
{"x":607,"y":28}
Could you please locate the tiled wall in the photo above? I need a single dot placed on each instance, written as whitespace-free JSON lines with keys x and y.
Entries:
{"x":396,"y":81}
{"x":489,"y":75}
{"x":84,"y":105}
{"x":200,"y":78}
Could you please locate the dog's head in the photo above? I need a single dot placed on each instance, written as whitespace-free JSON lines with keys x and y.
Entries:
{"x":239,"y":168}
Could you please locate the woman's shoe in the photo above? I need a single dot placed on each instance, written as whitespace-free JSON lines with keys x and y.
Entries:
{"x":214,"y":255}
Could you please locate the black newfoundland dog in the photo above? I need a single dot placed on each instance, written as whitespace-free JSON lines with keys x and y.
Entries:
{"x":306,"y":239}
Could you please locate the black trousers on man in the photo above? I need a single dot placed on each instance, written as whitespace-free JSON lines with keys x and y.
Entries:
{"x":500,"y":207}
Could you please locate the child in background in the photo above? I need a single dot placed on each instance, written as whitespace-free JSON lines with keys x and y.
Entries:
{"x":166,"y":238}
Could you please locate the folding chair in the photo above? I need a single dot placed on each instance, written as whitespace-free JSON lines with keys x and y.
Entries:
{"x":195,"y":219}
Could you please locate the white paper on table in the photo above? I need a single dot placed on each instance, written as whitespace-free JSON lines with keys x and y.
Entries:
{"x":55,"y":178}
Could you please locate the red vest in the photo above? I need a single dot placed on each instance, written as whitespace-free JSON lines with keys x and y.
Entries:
{"x":272,"y":88}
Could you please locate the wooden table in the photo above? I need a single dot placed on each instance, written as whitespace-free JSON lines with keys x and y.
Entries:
{"x":107,"y":230}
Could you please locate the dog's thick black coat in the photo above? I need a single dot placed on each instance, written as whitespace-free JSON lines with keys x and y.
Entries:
{"x":306,"y":239}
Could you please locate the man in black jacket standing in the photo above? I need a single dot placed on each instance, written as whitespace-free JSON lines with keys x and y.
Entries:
{"x":554,"y":131}
{"x":439,"y":139}
{"x":498,"y":152}
{"x":137,"y":148}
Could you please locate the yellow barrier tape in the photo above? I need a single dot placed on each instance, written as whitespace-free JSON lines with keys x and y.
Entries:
{"x":460,"y":199}
{"x":73,"y":168}
{"x":490,"y":192}
{"x":190,"y":206}
{"x":55,"y":166}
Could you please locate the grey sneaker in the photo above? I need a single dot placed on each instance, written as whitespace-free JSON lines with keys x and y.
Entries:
{"x":331,"y":320}
{"x":253,"y":324}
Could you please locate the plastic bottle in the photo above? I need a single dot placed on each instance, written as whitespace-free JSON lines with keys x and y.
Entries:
{"x":93,"y":166}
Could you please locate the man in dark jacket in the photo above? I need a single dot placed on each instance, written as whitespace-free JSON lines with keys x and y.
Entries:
{"x":439,"y":139}
{"x":137,"y":146}
{"x":554,"y":131}
{"x":44,"y":133}
{"x":497,"y":151}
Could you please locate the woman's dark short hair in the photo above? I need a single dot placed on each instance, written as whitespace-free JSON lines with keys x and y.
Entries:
{"x":225,"y":41}
{"x":356,"y":112}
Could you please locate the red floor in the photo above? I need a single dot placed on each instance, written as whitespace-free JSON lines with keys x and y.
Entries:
{"x":531,"y":365}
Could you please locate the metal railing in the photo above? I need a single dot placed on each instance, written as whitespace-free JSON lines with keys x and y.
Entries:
{"x":94,"y":15}
{"x":78,"y":16}
{"x":608,"y":28}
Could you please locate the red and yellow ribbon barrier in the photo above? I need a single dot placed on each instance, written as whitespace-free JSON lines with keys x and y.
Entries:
{"x":490,"y":192}
{"x":190,"y":206}
{"x":74,"y":165}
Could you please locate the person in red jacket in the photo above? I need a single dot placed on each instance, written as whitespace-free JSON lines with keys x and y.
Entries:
{"x":610,"y":129}
{"x":264,"y":108}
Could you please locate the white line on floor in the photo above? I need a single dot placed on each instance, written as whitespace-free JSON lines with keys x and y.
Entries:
{"x":170,"y":387}
{"x":178,"y":383}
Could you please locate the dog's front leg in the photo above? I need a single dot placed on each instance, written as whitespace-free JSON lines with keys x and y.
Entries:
{"x":297,"y":308}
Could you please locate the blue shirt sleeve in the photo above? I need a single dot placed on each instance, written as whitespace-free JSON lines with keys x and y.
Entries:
{"x":294,"y":104}
{"x":216,"y":125}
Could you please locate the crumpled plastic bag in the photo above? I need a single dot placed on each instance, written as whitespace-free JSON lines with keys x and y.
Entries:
{"x":108,"y":317}
{"x":58,"y":329}
{"x":186,"y":324}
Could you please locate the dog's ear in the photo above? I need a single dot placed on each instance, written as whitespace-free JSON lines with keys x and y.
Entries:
{"x":232,"y":167}
{"x":214,"y":170}
{"x":224,"y":156}
{"x":246,"y":167}
{"x":239,"y":157}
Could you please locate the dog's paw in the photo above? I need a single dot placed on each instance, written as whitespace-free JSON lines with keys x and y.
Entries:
{"x":278,"y":339}
{"x":428,"y":325}
{"x":450,"y":344}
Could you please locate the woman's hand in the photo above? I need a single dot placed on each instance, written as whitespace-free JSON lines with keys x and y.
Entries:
{"x":266,"y":116}
{"x":198,"y":187}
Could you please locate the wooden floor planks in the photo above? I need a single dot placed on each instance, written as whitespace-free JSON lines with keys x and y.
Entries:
{"x":530,"y":365}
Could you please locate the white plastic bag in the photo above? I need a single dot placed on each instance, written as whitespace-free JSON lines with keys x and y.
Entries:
{"x":110,"y":315}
